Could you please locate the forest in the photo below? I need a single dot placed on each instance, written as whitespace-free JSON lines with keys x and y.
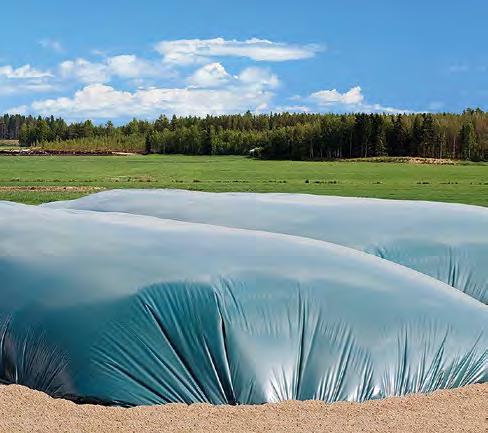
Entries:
{"x":295,"y":136}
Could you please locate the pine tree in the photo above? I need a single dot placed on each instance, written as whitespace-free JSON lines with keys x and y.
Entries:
{"x":399,"y":138}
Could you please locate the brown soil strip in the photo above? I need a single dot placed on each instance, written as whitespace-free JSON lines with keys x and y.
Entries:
{"x":41,"y":152}
{"x":51,"y":188}
{"x":406,"y":160}
{"x":461,"y":410}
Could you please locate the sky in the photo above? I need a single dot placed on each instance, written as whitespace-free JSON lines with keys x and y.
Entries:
{"x":114,"y":60}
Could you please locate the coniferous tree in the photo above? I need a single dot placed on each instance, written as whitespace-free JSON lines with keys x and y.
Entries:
{"x":277,"y":135}
{"x":468,"y":139}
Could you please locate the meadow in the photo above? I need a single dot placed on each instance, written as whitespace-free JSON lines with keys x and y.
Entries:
{"x":38,"y":179}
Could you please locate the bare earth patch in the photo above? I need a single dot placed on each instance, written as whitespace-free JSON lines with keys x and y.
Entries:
{"x":51,"y":188}
{"x":460,"y":410}
{"x":407,"y":160}
{"x":35,"y":151}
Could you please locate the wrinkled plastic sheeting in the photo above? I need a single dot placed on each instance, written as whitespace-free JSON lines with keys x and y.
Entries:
{"x":129,"y":310}
{"x":446,"y":241}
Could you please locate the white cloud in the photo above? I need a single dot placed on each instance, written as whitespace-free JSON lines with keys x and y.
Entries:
{"x":122,"y":66}
{"x":211,"y":75}
{"x":131,"y":66}
{"x":211,"y":90}
{"x":258,"y":77}
{"x":93,"y":99}
{"x":353,"y":96}
{"x":132,"y":72}
{"x":351,"y":101}
{"x":24,"y":79}
{"x":51,"y":44}
{"x":188,"y":51}
{"x":103,"y":102}
{"x":23,"y":72}
{"x":84,"y":71}
{"x":215,"y":75}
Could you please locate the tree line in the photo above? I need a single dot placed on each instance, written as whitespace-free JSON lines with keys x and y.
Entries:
{"x":272,"y":136}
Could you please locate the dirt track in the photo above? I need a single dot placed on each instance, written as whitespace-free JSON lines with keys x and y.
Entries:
{"x":51,"y":188}
{"x":461,"y":410}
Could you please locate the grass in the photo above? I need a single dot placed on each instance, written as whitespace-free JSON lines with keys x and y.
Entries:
{"x":37,"y":179}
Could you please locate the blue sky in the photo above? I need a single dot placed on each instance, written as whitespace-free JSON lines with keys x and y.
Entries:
{"x":118,"y":59}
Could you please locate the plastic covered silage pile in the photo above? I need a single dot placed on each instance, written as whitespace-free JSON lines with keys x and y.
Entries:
{"x":123,"y":308}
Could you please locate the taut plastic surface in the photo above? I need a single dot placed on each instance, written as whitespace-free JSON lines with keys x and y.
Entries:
{"x":128,"y":310}
{"x":446,"y":241}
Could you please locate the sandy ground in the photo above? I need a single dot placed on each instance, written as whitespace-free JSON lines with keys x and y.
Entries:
{"x":460,"y":410}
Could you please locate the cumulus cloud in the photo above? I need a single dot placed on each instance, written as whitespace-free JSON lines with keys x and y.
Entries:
{"x":210,"y":90}
{"x":122,"y":66}
{"x":131,"y":66}
{"x":350,"y":101}
{"x":84,"y":71}
{"x":188,"y":51}
{"x":211,"y":75}
{"x":105,"y":102}
{"x":24,"y":79}
{"x":254,"y":76}
{"x":353,"y":96}
{"x":129,"y":77}
{"x":215,"y":75}
{"x":23,"y":72}
{"x":92,"y":100}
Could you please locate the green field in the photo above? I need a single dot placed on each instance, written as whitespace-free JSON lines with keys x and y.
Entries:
{"x":37,"y":179}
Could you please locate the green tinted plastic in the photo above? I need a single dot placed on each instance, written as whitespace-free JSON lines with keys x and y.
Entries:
{"x":446,"y":241}
{"x":125,"y":309}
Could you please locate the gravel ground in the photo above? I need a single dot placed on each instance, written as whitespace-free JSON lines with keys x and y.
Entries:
{"x":459,"y":410}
